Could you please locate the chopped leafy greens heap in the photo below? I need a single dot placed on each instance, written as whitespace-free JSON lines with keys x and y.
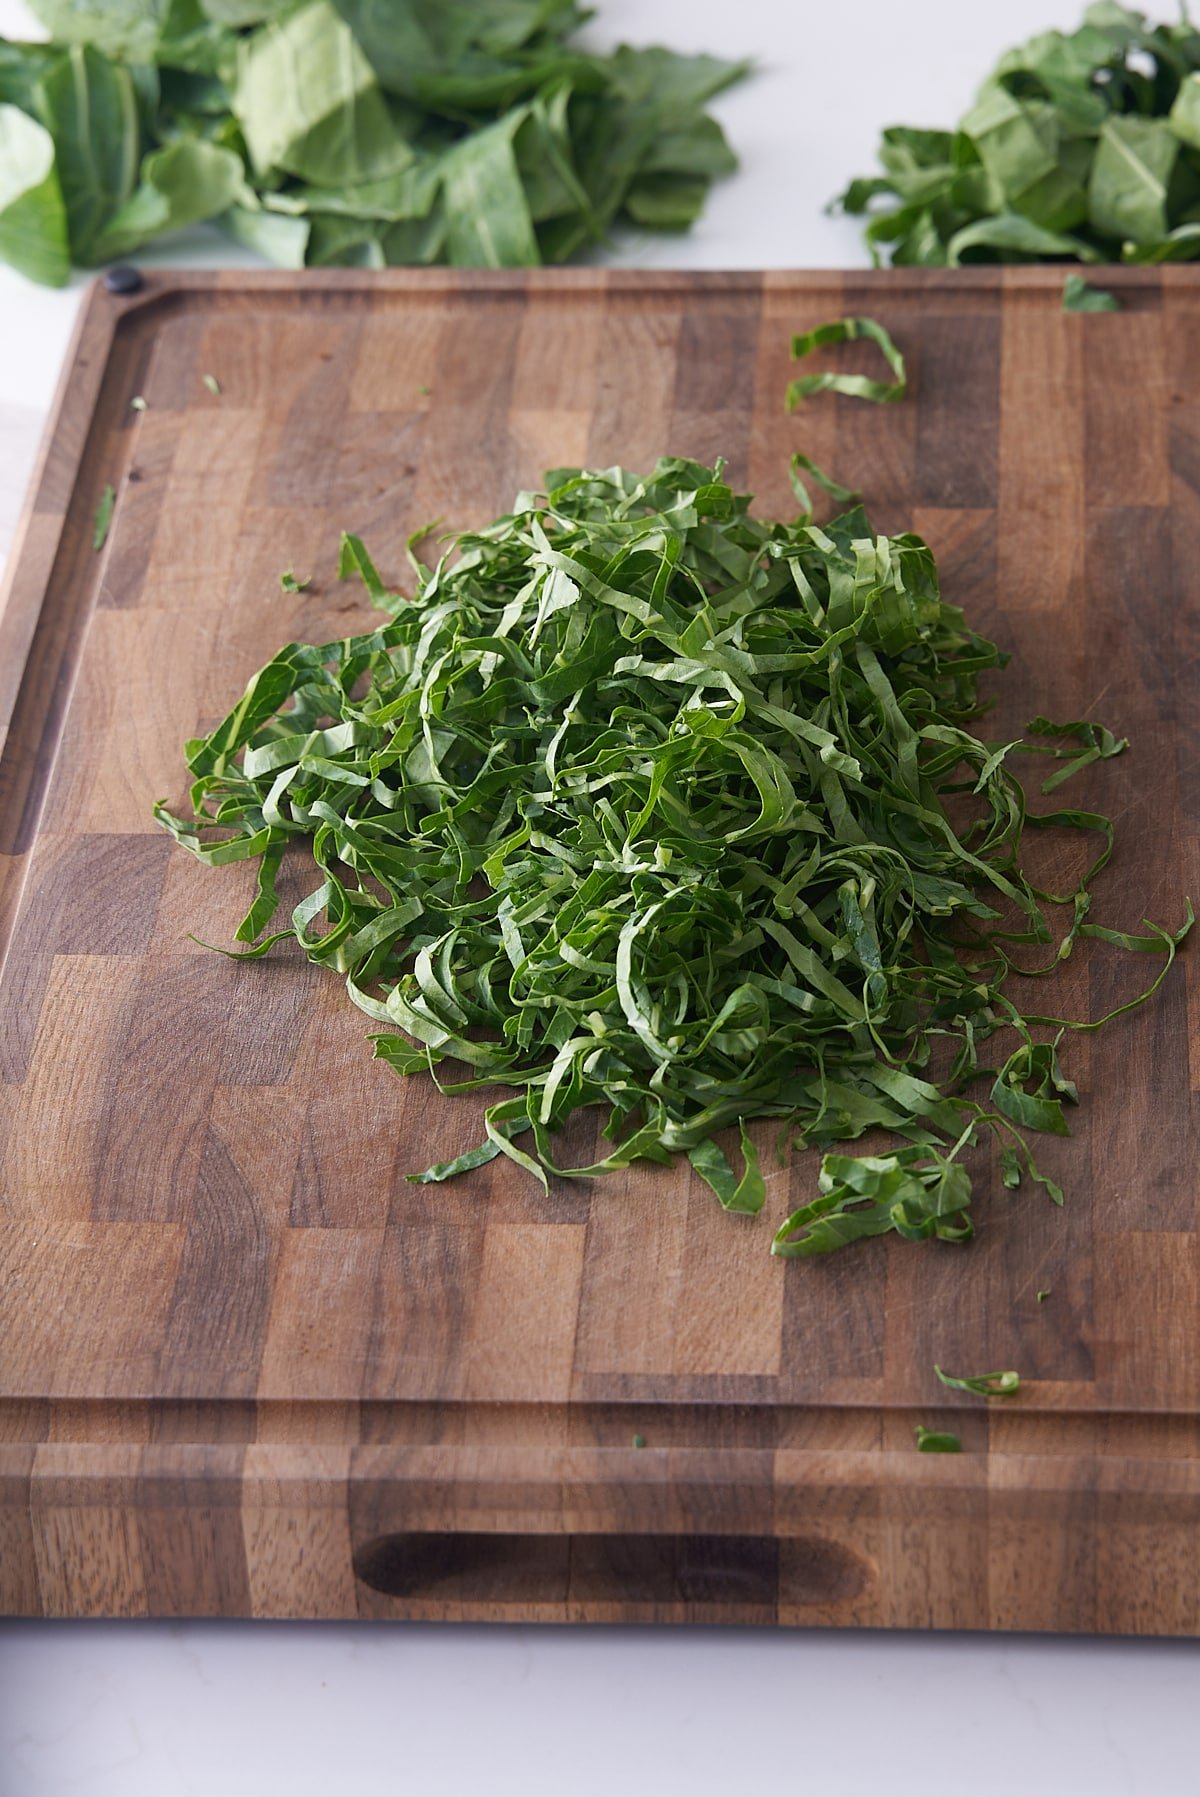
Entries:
{"x":641,"y":803}
{"x":1083,"y":146}
{"x":344,"y":131}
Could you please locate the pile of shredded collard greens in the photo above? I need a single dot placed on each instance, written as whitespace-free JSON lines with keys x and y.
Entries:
{"x":345,"y":131}
{"x":642,"y":803}
{"x":1081,"y":145}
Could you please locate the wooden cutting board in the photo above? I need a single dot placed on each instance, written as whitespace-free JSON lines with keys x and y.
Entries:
{"x":246,"y":1368}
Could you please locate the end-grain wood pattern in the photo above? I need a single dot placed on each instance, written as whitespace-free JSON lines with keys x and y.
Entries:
{"x":245,"y":1367}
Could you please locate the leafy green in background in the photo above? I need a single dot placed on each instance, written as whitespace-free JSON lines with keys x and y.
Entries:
{"x":365,"y":132}
{"x":33,"y":219}
{"x":642,"y":803}
{"x":1082,"y":146}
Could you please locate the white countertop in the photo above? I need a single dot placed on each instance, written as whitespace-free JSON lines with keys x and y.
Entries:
{"x":313,"y":1710}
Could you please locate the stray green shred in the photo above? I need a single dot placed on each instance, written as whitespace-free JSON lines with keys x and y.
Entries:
{"x":639,"y":1441}
{"x":1043,"y":1294}
{"x":354,"y":559}
{"x":842,"y":494}
{"x":640,"y":803}
{"x":290,"y":584}
{"x":936,"y":1441}
{"x":213,"y":385}
{"x":1080,"y":296}
{"x":984,"y":1385}
{"x":423,"y":390}
{"x":103,"y":519}
{"x":854,"y":386}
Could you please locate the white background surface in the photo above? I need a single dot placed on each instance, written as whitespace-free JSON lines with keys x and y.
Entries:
{"x":168,"y":1710}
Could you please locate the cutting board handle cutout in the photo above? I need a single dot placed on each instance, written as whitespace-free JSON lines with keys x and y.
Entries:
{"x":668,"y":1569}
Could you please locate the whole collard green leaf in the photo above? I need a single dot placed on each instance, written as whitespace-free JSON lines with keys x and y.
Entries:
{"x":281,"y":238}
{"x":666,"y":202}
{"x":411,"y":194}
{"x":182,"y":184}
{"x":181,"y":34}
{"x":335,"y":241}
{"x":1029,"y":160}
{"x":33,"y":219}
{"x":472,"y":56}
{"x":1082,"y":146}
{"x":309,"y":104}
{"x":89,"y":106}
{"x":245,"y":12}
{"x":545,"y":162}
{"x":488,"y":223}
{"x":129,"y":28}
{"x":22,"y":66}
{"x":654,"y":96}
{"x":419,"y":240}
{"x":675,"y":86}
{"x":1184,"y":117}
{"x":696,"y":146}
{"x":1134,"y":162}
{"x":1016,"y":239}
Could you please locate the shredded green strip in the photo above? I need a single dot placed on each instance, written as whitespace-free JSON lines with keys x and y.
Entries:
{"x":843,"y":495}
{"x":1080,"y":296}
{"x":103,"y":518}
{"x":641,"y":803}
{"x":855,"y":386}
{"x":984,"y":1385}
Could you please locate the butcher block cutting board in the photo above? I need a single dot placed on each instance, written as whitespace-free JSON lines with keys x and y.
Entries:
{"x":247,"y":1369}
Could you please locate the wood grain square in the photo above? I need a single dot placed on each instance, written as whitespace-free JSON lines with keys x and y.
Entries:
{"x":1148,"y":1286}
{"x":521,"y":1330}
{"x":86,"y":1305}
{"x":396,"y":361}
{"x":1040,"y":482}
{"x":629,"y":1303}
{"x":55,"y":1152}
{"x":318,"y":1330}
{"x":739,"y":1327}
{"x":635,"y":387}
{"x":558,"y":357}
{"x":89,"y":1560}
